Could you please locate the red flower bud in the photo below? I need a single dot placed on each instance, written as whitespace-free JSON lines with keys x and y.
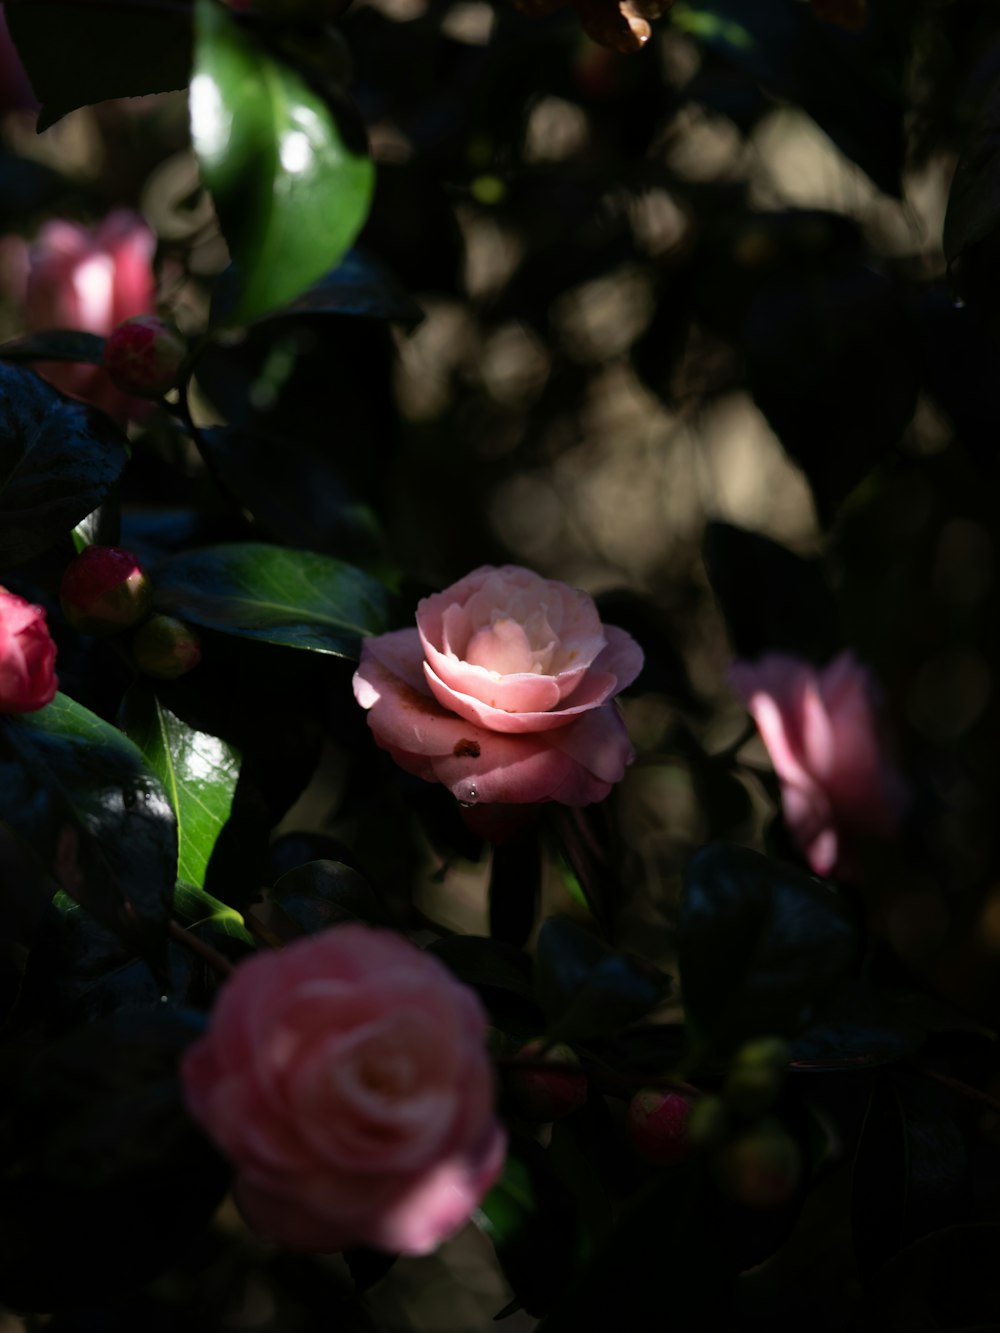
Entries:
{"x":143,"y":356}
{"x":27,"y":656}
{"x":166,"y":648}
{"x":104,"y":590}
{"x":657,"y":1124}
{"x":546,"y":1094}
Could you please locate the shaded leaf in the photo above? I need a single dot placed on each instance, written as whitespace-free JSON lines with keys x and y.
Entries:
{"x":100,"y":1162}
{"x":58,"y":460}
{"x":586,"y":988}
{"x":880,"y":1179}
{"x":302,"y":501}
{"x":55,"y":345}
{"x":298,"y":598}
{"x":760,"y":945}
{"x":131,"y":50}
{"x":772,"y":599}
{"x":359,"y":286}
{"x":81,"y":793}
{"x":530,"y":1217}
{"x":514,"y":888}
{"x":194,"y":907}
{"x":290,"y":192}
{"x":326,"y":893}
{"x":199,"y":773}
{"x":860,"y":1029}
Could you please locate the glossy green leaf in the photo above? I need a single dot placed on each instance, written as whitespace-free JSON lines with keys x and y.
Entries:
{"x":55,"y":345}
{"x":130,"y":50}
{"x":290,"y":192}
{"x":588,"y":989}
{"x":82,"y":795}
{"x":58,"y":460}
{"x":198,"y":771}
{"x":298,"y":598}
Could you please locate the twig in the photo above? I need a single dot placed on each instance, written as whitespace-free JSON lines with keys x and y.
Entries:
{"x":204,"y":951}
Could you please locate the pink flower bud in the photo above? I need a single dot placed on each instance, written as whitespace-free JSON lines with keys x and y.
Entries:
{"x":657,"y":1124}
{"x":144,"y":355}
{"x":104,"y":590}
{"x":547,"y":1094}
{"x":166,"y":648}
{"x":27,"y":656}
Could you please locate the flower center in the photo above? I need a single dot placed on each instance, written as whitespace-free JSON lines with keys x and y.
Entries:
{"x":506,"y":647}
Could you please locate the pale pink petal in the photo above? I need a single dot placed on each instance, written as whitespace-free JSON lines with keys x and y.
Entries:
{"x":592,"y":691}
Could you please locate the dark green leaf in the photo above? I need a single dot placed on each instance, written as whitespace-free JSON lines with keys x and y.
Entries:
{"x":860,"y":1029}
{"x":589,"y":990}
{"x":81,"y":794}
{"x":358,"y":286}
{"x":100,"y":1163}
{"x":290,"y":192}
{"x":530,"y":1217}
{"x":326,"y":893}
{"x":302,"y":500}
{"x":198,"y":772}
{"x":515,"y":886}
{"x":483,"y":962}
{"x":58,"y":460}
{"x":55,"y":345}
{"x":760,"y":945}
{"x":661,"y":1267}
{"x":880,"y":1179}
{"x":79,"y":54}
{"x":297,"y":598}
{"x":772,"y":599}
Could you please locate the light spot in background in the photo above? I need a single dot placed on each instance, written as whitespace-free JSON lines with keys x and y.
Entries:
{"x":601,"y":319}
{"x":471,"y":23}
{"x":295,"y":152}
{"x":556,"y":130}
{"x":514,"y":365}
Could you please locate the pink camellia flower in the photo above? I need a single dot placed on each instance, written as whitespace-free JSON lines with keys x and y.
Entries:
{"x":839,"y":784}
{"x":27,"y":656}
{"x":504,"y":691}
{"x":347,"y":1079}
{"x":92,"y":281}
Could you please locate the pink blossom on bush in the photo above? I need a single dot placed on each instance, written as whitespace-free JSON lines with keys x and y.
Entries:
{"x":90,"y":280}
{"x":27,"y":656}
{"x":347,"y":1079}
{"x":504,"y":691}
{"x":839,"y":784}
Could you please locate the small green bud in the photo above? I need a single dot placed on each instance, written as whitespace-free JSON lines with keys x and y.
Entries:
{"x":166,"y":648}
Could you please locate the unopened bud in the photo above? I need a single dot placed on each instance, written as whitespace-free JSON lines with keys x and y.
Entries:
{"x":104,"y":590}
{"x":166,"y":648}
{"x":546,"y":1094}
{"x":756,"y":1076}
{"x":760,"y":1168}
{"x":144,"y":355}
{"x":657,"y":1124}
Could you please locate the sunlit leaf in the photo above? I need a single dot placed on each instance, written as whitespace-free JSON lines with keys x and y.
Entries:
{"x":198,"y":771}
{"x":290,"y":191}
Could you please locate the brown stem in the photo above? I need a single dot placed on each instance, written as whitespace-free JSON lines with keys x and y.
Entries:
{"x":204,"y":951}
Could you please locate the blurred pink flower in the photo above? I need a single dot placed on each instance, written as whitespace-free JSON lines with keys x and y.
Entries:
{"x":504,"y":691}
{"x":347,"y":1079}
{"x":27,"y":656}
{"x":90,"y":280}
{"x":839,"y":784}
